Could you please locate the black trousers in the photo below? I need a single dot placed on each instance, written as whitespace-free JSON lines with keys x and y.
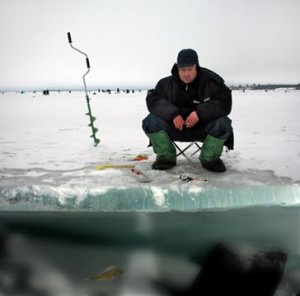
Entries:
{"x":219,"y":128}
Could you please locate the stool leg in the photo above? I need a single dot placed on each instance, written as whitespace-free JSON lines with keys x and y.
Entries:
{"x":182,"y":152}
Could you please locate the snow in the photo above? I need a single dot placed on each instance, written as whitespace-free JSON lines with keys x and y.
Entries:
{"x":45,"y":150}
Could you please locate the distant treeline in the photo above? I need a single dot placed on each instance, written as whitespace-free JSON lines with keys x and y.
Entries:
{"x":264,"y":86}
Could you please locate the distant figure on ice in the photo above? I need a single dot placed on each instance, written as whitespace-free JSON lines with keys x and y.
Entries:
{"x":191,"y":104}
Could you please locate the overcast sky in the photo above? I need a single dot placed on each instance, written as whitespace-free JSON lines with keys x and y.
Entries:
{"x":135,"y":42}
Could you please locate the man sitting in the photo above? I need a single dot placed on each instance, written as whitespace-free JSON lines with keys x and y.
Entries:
{"x":191,"y":104}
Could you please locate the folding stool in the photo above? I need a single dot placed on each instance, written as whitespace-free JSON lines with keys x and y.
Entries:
{"x":183,"y":151}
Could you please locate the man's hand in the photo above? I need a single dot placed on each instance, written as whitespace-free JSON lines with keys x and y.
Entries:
{"x":191,"y":120}
{"x":178,"y":122}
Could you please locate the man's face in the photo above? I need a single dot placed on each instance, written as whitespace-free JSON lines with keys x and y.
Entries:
{"x":187,"y":74}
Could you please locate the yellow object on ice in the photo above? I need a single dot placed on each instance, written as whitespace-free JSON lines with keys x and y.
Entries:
{"x":114,"y":166}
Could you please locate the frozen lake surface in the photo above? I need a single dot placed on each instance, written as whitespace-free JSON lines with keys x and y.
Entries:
{"x":62,"y":218}
{"x":47,"y":160}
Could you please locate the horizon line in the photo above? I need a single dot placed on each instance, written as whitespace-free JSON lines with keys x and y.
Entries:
{"x":130,"y":87}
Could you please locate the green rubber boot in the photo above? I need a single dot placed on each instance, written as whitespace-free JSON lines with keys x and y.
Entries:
{"x":211,"y":151}
{"x":164,"y":149}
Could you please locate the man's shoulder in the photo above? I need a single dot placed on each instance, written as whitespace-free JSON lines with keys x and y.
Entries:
{"x":165,"y":80}
{"x":209,"y":74}
{"x":165,"y":84}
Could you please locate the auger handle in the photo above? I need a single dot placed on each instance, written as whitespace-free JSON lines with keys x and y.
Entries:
{"x":69,"y":37}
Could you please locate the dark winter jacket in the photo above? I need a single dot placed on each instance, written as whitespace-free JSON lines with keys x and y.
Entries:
{"x":207,"y":95}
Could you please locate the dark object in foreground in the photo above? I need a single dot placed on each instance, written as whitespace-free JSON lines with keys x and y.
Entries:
{"x":232,"y":271}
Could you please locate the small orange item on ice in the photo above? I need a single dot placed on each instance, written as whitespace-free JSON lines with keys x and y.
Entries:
{"x":140,"y":157}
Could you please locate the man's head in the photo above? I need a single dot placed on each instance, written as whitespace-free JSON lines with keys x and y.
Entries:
{"x":187,"y":62}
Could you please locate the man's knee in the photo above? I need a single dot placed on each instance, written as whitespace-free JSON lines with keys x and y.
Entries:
{"x":153,"y":123}
{"x":220,"y":127}
{"x":224,"y":124}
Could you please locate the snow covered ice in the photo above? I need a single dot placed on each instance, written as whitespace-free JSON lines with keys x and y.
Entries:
{"x":46,"y":151}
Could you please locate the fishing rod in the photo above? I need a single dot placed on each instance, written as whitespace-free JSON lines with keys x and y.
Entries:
{"x":91,"y":117}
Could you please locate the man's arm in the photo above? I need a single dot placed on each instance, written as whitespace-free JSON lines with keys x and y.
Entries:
{"x":217,"y":104}
{"x":158,"y":103}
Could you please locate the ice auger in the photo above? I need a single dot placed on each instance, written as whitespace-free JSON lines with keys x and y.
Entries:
{"x":89,"y":113}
